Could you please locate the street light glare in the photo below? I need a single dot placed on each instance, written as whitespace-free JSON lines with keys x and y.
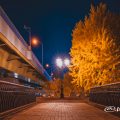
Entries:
{"x":67,"y":62}
{"x":35,"y":42}
{"x":51,"y":74}
{"x":59,"y":62}
{"x":47,"y":65}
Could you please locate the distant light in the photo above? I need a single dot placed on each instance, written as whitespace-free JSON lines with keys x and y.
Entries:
{"x":51,"y":74}
{"x":67,"y":62}
{"x":29,"y":79}
{"x":47,"y":65}
{"x":59,"y":62}
{"x":15,"y":75}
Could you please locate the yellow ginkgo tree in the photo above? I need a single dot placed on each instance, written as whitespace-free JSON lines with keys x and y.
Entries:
{"x":95,"y":51}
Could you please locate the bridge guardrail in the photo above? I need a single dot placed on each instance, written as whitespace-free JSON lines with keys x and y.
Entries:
{"x":14,"y":95}
{"x":108,"y":95}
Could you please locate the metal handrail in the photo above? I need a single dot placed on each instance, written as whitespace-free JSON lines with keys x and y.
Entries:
{"x":107,"y":95}
{"x":12,"y":91}
{"x":105,"y":85}
{"x":14,"y":84}
{"x":13,"y":95}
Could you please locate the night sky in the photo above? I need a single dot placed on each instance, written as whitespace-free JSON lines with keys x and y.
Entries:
{"x":51,"y":20}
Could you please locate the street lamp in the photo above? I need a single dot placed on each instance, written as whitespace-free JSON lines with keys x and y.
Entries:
{"x":59,"y":62}
{"x":62,"y":63}
{"x":33,"y":41}
{"x":66,"y":62}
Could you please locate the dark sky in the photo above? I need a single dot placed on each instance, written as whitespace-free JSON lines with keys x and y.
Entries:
{"x":51,"y":20}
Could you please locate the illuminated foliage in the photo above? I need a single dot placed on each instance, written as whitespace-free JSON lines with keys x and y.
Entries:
{"x":53,"y":87}
{"x":95,"y":51}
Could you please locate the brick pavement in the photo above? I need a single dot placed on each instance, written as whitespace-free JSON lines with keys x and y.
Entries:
{"x":63,"y":111}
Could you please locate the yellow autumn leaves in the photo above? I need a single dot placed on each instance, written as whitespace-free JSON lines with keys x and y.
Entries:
{"x":95,"y":51}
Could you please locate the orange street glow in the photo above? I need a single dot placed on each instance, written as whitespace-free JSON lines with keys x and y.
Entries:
{"x":35,"y":41}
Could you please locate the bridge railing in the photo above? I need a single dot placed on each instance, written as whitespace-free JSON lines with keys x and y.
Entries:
{"x":14,"y":95}
{"x":108,"y":95}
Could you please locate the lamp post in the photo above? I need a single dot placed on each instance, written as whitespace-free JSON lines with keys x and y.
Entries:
{"x":36,"y":42}
{"x":33,"y":41}
{"x":61,"y":64}
{"x":28,"y":29}
{"x":42,"y":56}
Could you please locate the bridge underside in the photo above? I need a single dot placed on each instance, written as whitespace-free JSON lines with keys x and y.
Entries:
{"x":13,"y":61}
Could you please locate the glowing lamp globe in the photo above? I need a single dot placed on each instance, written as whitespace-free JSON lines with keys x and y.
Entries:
{"x":59,"y":62}
{"x":67,"y":62}
{"x":35,"y":42}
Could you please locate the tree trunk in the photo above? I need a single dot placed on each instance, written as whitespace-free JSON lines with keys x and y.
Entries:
{"x":82,"y":95}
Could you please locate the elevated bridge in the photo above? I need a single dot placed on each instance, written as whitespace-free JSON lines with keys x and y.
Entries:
{"x":14,"y":53}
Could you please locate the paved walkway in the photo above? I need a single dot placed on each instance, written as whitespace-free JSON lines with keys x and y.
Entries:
{"x":63,"y":111}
